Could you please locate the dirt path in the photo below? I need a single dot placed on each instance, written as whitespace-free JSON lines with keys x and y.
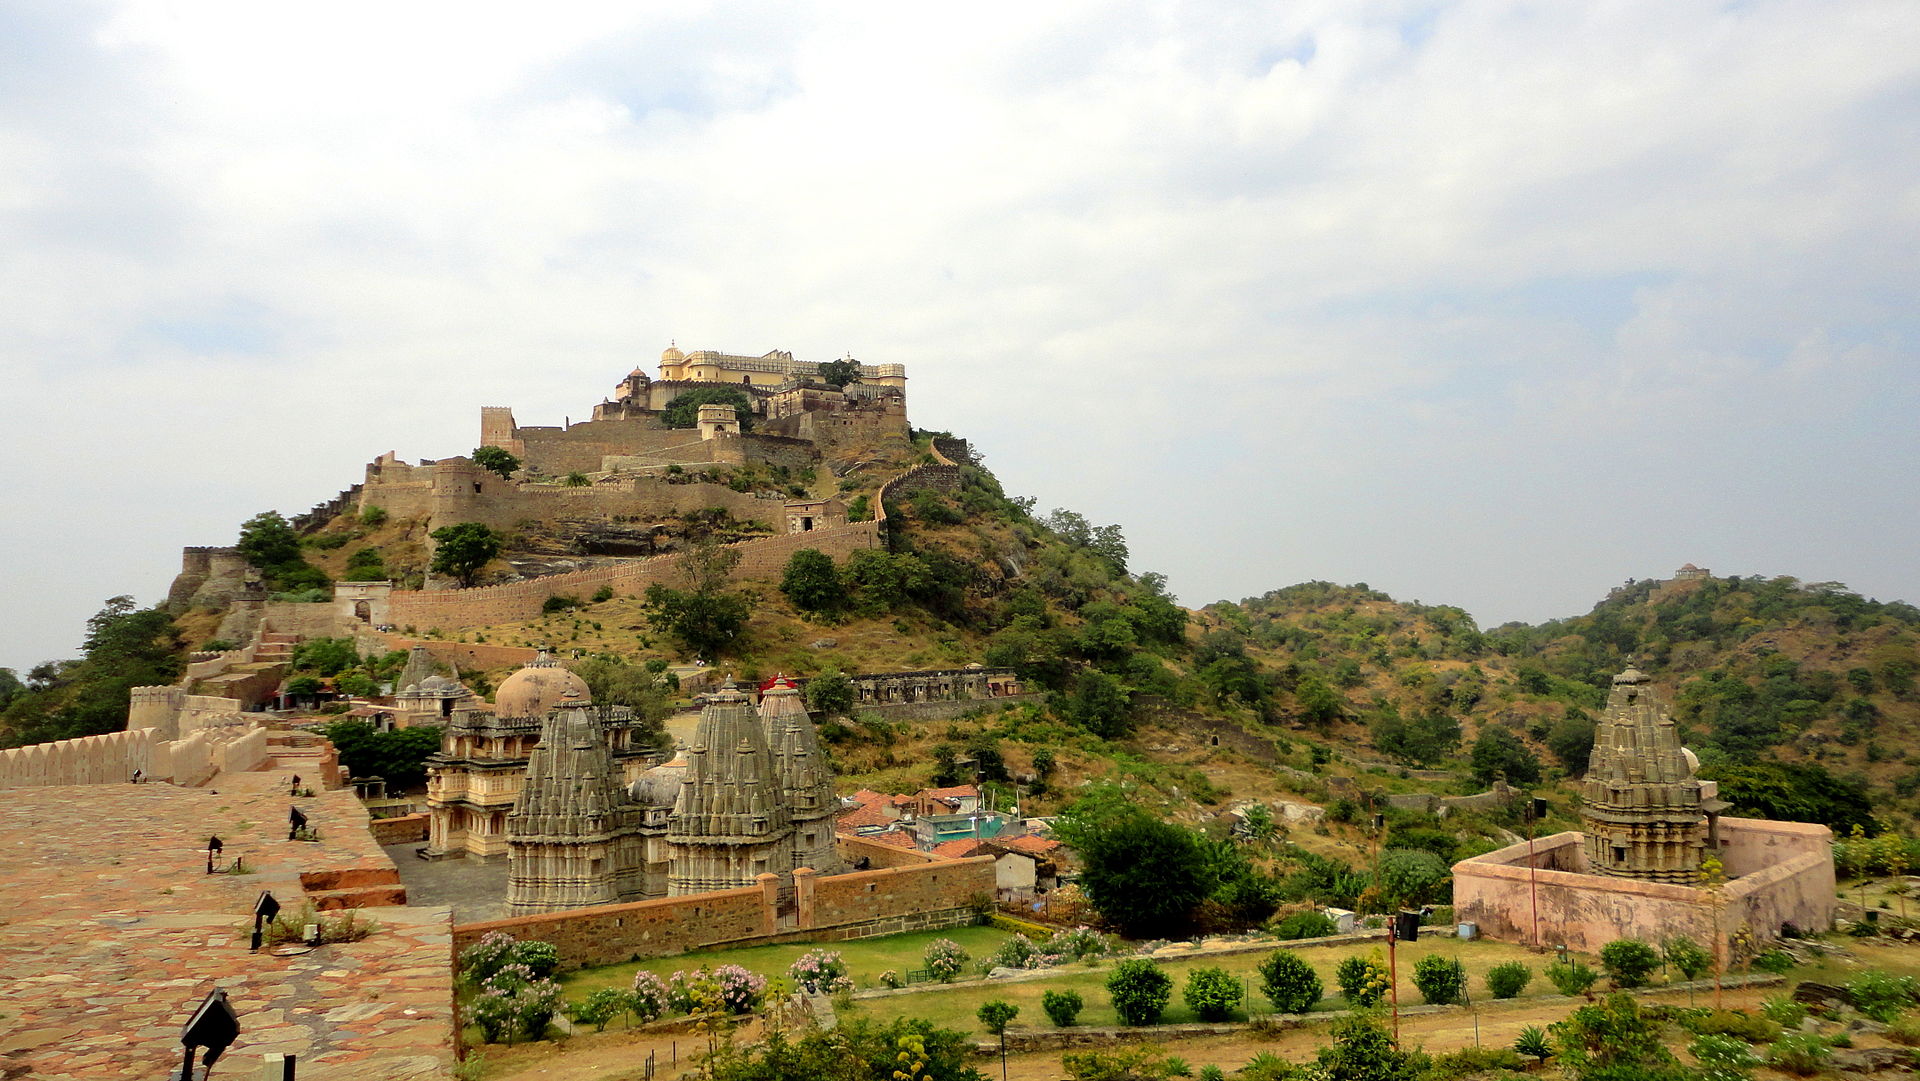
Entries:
{"x":621,"y":1056}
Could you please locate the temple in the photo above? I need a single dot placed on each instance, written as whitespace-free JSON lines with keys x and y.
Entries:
{"x":1646,"y":816}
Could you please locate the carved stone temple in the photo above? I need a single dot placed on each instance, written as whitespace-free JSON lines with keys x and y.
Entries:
{"x":753,"y":797}
{"x":1646,"y":816}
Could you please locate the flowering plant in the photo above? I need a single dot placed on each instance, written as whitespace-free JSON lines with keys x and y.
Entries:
{"x":648,"y":999}
{"x":946,"y":959}
{"x":820,"y":972}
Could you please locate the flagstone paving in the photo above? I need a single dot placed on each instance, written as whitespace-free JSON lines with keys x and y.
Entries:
{"x":111,"y":933}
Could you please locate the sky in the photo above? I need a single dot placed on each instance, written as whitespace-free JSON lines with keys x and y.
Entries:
{"x":1486,"y":303}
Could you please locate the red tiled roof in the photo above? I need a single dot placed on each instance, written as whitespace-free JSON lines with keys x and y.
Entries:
{"x":956,"y":850}
{"x":891,"y":838}
{"x":1037,"y":846}
{"x":959,"y":791}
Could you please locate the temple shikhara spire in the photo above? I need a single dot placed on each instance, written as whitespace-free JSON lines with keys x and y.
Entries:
{"x":1644,"y":810}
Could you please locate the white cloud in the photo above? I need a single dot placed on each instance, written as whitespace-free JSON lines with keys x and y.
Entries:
{"x":1486,"y":302}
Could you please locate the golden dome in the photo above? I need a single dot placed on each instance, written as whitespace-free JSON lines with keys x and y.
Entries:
{"x":672,"y":356}
{"x":537,"y":688}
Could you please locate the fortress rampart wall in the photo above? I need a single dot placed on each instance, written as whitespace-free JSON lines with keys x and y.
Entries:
{"x":114,"y":757}
{"x":451,"y":610}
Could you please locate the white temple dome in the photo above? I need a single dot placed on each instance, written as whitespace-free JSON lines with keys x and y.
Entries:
{"x":537,"y":688}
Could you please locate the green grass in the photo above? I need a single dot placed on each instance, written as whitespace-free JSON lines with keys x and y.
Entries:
{"x":866,"y":958}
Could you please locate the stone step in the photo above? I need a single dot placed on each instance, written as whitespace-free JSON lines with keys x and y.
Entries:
{"x":382,"y":896}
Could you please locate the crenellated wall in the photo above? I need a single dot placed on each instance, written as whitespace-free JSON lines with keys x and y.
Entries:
{"x":114,"y":757}
{"x":453,"y":610}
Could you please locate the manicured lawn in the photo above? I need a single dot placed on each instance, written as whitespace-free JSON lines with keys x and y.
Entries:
{"x":866,"y":958}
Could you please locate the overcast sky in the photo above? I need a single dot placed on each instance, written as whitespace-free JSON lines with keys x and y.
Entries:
{"x":1487,"y":303}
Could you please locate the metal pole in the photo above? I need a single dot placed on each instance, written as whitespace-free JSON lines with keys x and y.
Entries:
{"x":186,"y":1066}
{"x":1393,"y":975}
{"x":1533,"y":874}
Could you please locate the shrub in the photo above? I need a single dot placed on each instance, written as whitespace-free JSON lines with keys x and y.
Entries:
{"x":1778,"y":962}
{"x":647,"y":999}
{"x":890,"y":978}
{"x":603,"y":594}
{"x":1905,"y":1030}
{"x":1212,"y":993}
{"x":820,"y":972}
{"x":1267,"y":1066}
{"x":1782,"y":1010}
{"x":1880,"y":995}
{"x":1139,"y":990}
{"x":1304,"y":925}
{"x":481,"y":961}
{"x":1363,"y":980}
{"x":1736,"y":1023}
{"x":1441,"y":980}
{"x":1127,"y":1064}
{"x":1289,"y":982}
{"x":515,"y":1005}
{"x":1474,"y":1062}
{"x":1723,"y":1058}
{"x":1800,"y":1053}
{"x":1571,"y":977}
{"x":598,"y":1008}
{"x":1078,"y":944}
{"x":730,"y":987}
{"x":1509,"y":979}
{"x":1533,"y":1041}
{"x":995,"y":1016}
{"x":558,"y":603}
{"x":1017,"y":952}
{"x":1686,"y":957}
{"x":946,"y":959}
{"x":1412,"y":876}
{"x":1062,"y":1007}
{"x":1629,"y":961}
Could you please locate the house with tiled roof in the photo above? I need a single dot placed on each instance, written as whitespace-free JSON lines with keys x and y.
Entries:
{"x":1024,"y":868}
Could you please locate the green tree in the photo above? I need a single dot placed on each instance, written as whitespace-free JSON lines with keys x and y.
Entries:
{"x":399,"y":756}
{"x":495,"y":460}
{"x":270,"y":544}
{"x":684,"y":410}
{"x":612,"y":680}
{"x":1616,"y":1041}
{"x":1141,"y":873}
{"x":1212,"y":993}
{"x":1363,"y":1050}
{"x":1498,"y":752}
{"x":830,"y":693}
{"x":1320,"y":705}
{"x":1442,"y":980}
{"x":1795,"y":792}
{"x":366,"y":565}
{"x":840,"y":373}
{"x":1101,"y":705}
{"x":461,"y":550}
{"x":1571,"y":740}
{"x":1410,"y":876}
{"x":125,"y":647}
{"x":813,"y":584}
{"x":704,"y":617}
{"x":1421,"y":741}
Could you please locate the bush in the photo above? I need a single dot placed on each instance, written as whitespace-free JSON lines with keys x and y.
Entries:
{"x":820,"y":972}
{"x":1629,"y":961}
{"x":480,"y":962}
{"x":598,"y":1008}
{"x":1778,"y":962}
{"x":1737,"y":1023}
{"x":1800,"y":1053}
{"x":1571,"y":977}
{"x":1723,"y":1058}
{"x":1139,"y":990}
{"x":1412,"y":876}
{"x":1289,"y":982}
{"x":1267,"y":1066}
{"x":1363,"y":980}
{"x":1905,"y":1031}
{"x":1441,"y":980}
{"x":603,"y":594}
{"x":647,"y":1000}
{"x":1062,"y":1007}
{"x":1304,"y":925}
{"x":1686,"y":957}
{"x":1474,"y":1062}
{"x":1017,"y":952}
{"x":1078,"y":944}
{"x":1128,"y":1064}
{"x":1782,"y":1010}
{"x":946,"y":959}
{"x":1509,"y":979}
{"x":1533,"y":1041}
{"x":995,"y":1016}
{"x":729,"y":987}
{"x":1212,"y":993}
{"x":1880,"y":995}
{"x":891,"y":978}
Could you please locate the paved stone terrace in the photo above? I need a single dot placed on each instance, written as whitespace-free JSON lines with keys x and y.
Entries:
{"x":111,"y":933}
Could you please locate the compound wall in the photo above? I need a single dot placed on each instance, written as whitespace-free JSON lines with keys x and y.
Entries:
{"x":114,"y":757}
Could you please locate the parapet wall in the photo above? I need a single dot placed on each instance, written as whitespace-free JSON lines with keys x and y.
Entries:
{"x":453,"y":610}
{"x":114,"y":757}
{"x":1518,"y":892}
{"x":858,"y":905}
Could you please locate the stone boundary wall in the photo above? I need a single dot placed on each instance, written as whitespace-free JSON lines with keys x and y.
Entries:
{"x":461,"y":609}
{"x":1584,"y":911}
{"x":112,"y":758}
{"x":401,"y":830}
{"x":862,"y":904}
{"x":1495,"y":798}
{"x":941,"y":710}
{"x":940,"y":478}
{"x":467,"y":656}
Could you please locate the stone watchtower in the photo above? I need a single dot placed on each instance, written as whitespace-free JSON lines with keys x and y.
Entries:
{"x":573,"y":837}
{"x":1643,"y":809}
{"x":730,"y":823}
{"x":805,"y":781}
